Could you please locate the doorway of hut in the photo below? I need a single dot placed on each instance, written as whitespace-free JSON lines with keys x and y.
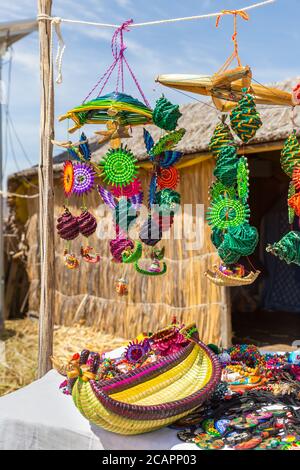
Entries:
{"x":267,"y":313}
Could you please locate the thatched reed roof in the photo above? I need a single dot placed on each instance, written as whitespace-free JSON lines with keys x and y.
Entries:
{"x":199,"y":119}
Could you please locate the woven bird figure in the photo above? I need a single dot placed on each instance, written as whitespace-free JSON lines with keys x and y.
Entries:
{"x":245,"y":119}
{"x":288,"y":248}
{"x":290,"y":154}
{"x":221,"y":138}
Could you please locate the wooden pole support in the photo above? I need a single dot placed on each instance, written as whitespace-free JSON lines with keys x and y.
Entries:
{"x":46,"y":194}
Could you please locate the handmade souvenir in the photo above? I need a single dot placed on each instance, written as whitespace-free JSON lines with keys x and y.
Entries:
{"x":119,"y":167}
{"x":142,"y":399}
{"x":290,"y":154}
{"x":67,"y":226}
{"x":68,"y":178}
{"x":84,"y":178}
{"x":244,"y":118}
{"x":165,"y":114}
{"x":221,"y":138}
{"x":288,"y":248}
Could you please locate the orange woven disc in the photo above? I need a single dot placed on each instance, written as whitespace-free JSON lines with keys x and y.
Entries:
{"x":296,"y":177}
{"x":168,"y":178}
{"x":68,"y":178}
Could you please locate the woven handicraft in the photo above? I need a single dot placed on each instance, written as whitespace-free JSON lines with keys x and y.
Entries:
{"x":183,"y":375}
{"x":165,"y":114}
{"x":288,"y":248}
{"x":226,"y":166}
{"x":243,"y":179}
{"x":167,"y":142}
{"x":218,"y":189}
{"x":224,"y":213}
{"x":290,"y":154}
{"x":245,"y":119}
{"x":119,"y":167}
{"x":221,"y":138}
{"x":291,"y":194}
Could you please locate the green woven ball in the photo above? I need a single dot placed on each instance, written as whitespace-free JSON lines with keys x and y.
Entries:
{"x":288,"y":248}
{"x":119,"y":166}
{"x":245,"y":119}
{"x":221,"y":138}
{"x":167,"y":142}
{"x":290,"y":154}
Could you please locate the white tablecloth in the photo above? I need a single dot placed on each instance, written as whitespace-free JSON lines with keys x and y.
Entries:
{"x":40,"y":416}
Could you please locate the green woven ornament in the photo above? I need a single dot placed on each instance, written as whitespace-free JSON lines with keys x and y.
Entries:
{"x":243,"y":179}
{"x":290,"y":154}
{"x":218,"y":189}
{"x":291,"y":212}
{"x":167,"y":142}
{"x":167,"y":202}
{"x":221,"y":138}
{"x":225,"y":213}
{"x":245,"y":119}
{"x":129,"y":256}
{"x":165,"y":114}
{"x":119,"y":166}
{"x":217,"y":237}
{"x":288,"y":248}
{"x":242,"y":239}
{"x":226,"y":166}
{"x":228,"y":255}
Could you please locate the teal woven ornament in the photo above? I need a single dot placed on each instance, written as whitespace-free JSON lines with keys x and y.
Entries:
{"x":167,"y":142}
{"x":218,"y":189}
{"x":243,"y":179}
{"x":221,"y":138}
{"x":288,"y":248}
{"x":291,"y":211}
{"x":225,"y":213}
{"x":167,"y":202}
{"x":165,"y":114}
{"x":290,"y":154}
{"x":227,"y":255}
{"x":226,"y":166}
{"x":217,"y":237}
{"x":119,"y":166}
{"x":242,"y":239}
{"x":244,"y":118}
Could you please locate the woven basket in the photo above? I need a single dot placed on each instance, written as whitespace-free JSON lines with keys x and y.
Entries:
{"x":152,"y":396}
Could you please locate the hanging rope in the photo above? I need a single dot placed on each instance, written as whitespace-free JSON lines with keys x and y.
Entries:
{"x":118,"y":48}
{"x":56,"y":21}
{"x":235,"y":55}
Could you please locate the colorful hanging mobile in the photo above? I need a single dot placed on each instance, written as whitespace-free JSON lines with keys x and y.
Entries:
{"x":288,"y":248}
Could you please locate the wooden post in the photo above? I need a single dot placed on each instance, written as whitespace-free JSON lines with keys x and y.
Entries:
{"x":46,"y":194}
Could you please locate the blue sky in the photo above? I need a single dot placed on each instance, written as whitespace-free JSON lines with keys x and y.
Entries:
{"x":268,"y":43}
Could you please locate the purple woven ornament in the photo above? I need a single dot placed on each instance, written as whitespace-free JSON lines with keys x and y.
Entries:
{"x":136,"y":200}
{"x":67,"y":226}
{"x":87,"y":223}
{"x":84,"y":178}
{"x":117,"y":246}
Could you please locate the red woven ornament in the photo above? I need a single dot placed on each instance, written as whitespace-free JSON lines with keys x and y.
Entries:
{"x":87,"y":223}
{"x":294,"y":203}
{"x":296,"y":176}
{"x":117,"y":246}
{"x":133,"y":188}
{"x":67,"y":226}
{"x":168,"y":178}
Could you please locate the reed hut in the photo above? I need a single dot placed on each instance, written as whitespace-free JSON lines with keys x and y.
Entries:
{"x":88,"y":293}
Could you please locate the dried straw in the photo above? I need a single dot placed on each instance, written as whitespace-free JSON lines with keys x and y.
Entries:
{"x":18,"y":367}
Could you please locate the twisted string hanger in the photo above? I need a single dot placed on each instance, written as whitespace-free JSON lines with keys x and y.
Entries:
{"x":118,"y":48}
{"x":235,"y":55}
